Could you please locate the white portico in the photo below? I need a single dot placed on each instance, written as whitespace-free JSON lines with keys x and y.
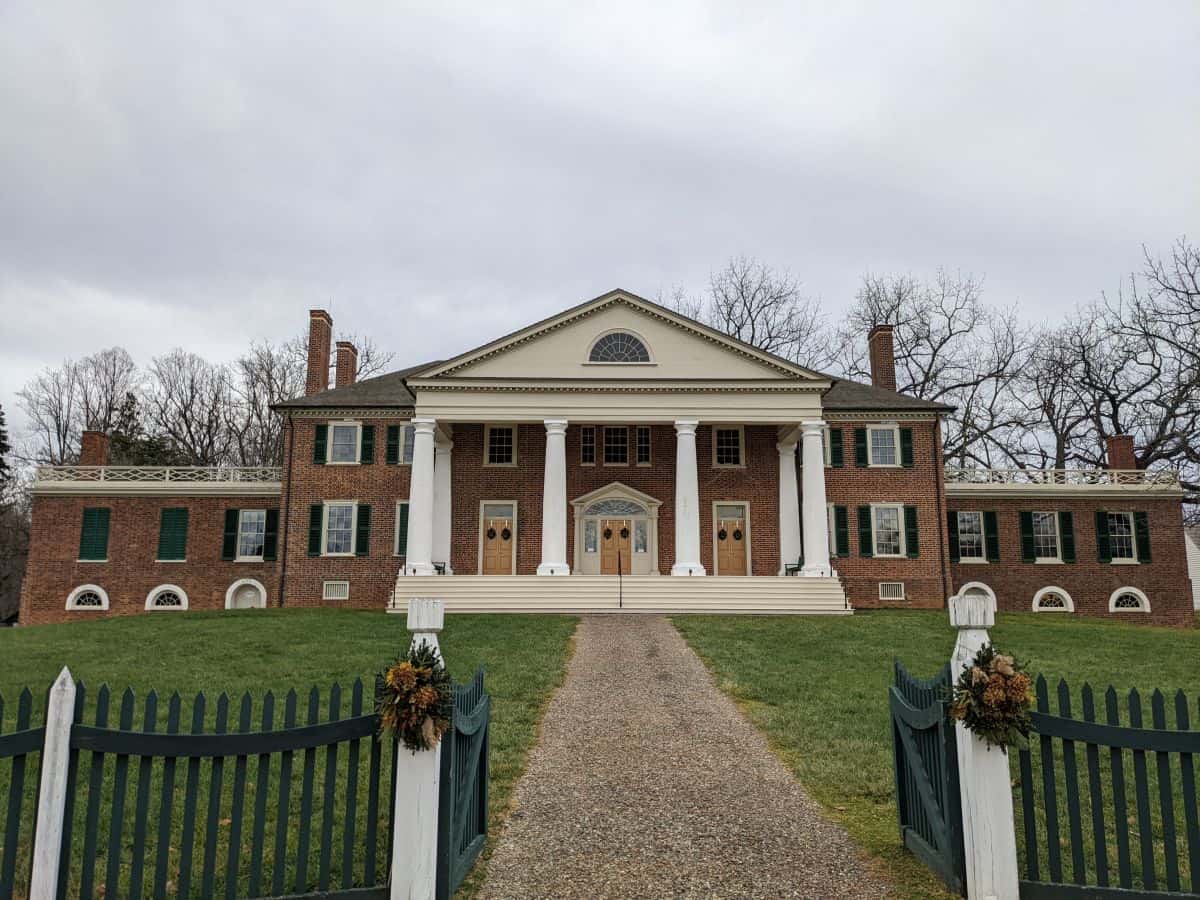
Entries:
{"x":650,"y":431}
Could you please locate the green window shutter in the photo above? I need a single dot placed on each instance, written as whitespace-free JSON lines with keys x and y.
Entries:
{"x":860,"y":447}
{"x":1066,"y":527}
{"x":837,"y":453}
{"x":320,"y":444}
{"x":93,"y":536}
{"x":952,"y":534}
{"x":316,"y":514}
{"x":366,"y":454}
{"x":229,"y":537}
{"x":271,"y":535}
{"x":1103,"y":539}
{"x":172,"y":533}
{"x":362,"y":535}
{"x":392,"y":453}
{"x":906,"y":454}
{"x":841,"y":530}
{"x":991,"y":535}
{"x":1028,"y":548}
{"x":1141,"y":532}
{"x":402,"y":530}
{"x":866,"y":544}
{"x":912,"y":536}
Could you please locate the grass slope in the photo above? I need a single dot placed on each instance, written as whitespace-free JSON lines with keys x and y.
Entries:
{"x":817,"y":687}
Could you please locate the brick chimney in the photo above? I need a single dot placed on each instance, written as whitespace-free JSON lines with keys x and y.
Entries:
{"x":347,"y":363}
{"x":883,"y":357}
{"x":320,"y":333}
{"x":1119,"y":449}
{"x":93,"y":449}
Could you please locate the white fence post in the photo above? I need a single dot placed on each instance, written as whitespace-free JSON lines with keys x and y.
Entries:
{"x":414,"y":846}
{"x":989,"y":829}
{"x":52,"y":796}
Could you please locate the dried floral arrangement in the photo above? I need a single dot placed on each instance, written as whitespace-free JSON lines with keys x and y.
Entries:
{"x":414,"y":698}
{"x":992,"y":698}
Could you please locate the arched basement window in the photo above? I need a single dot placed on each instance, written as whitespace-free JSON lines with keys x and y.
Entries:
{"x":167,"y":596}
{"x":1128,"y":599}
{"x":619,"y":347}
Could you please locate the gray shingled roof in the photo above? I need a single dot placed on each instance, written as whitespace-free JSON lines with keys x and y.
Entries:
{"x":850,"y":395}
{"x":382,"y":390}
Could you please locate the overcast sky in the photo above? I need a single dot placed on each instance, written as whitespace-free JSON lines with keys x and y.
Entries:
{"x":200,"y":174}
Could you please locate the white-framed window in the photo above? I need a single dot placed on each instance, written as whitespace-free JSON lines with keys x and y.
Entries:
{"x":1046,"y":542}
{"x":887,"y":529}
{"x":620,"y":347}
{"x":252,"y":533}
{"x":1128,"y":599}
{"x":591,"y":541}
{"x":345,"y":443}
{"x":641,"y":536}
{"x":587,"y":445}
{"x":88,"y":597}
{"x":883,"y":445}
{"x":500,"y":445}
{"x":337,"y":538}
{"x":1053,"y":599}
{"x":167,"y":596}
{"x":616,"y":445}
{"x":335,"y":590}
{"x":642,"y":445}
{"x":970,"y":537}
{"x":1121,"y":544}
{"x":728,"y":446}
{"x":408,"y":437}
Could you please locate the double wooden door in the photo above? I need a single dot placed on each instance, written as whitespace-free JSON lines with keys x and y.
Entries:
{"x":615,"y":546}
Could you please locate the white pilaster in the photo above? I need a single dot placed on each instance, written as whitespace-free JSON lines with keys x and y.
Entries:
{"x":687,"y":502}
{"x":554,"y":501}
{"x":816,"y":516}
{"x":420,"y":501}
{"x":52,"y":791}
{"x":442,"y":452}
{"x":989,"y":831}
{"x":789,"y":507}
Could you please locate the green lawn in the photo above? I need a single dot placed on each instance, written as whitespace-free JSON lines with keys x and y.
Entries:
{"x":817,"y":687}
{"x":276,"y":650}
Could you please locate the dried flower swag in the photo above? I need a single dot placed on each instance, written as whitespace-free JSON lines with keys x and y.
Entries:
{"x":992,"y":698}
{"x":415,"y":698}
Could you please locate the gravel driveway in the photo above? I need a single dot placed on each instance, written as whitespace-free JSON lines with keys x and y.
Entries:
{"x":648,"y":782}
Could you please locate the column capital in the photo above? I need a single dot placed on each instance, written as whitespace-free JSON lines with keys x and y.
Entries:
{"x":785,"y":448}
{"x":812,"y":426}
{"x":424,"y":426}
{"x":686,"y":426}
{"x":555,"y":426}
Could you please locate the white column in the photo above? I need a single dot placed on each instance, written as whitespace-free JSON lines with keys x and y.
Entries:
{"x":989,"y":830}
{"x":789,"y":507}
{"x":52,"y":793}
{"x":554,"y":501}
{"x":415,"y":831}
{"x":420,"y":501}
{"x":816,"y":516}
{"x":442,"y":452}
{"x":687,"y":502}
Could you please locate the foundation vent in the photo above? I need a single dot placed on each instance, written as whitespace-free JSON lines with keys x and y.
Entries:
{"x":335,"y":590}
{"x":891,"y":590}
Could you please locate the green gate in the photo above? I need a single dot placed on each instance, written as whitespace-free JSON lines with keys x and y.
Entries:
{"x":16,"y":844}
{"x":926,"y":761}
{"x":463,"y":799}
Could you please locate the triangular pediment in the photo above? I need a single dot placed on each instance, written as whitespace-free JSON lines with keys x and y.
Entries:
{"x":679,"y":348}
{"x":616,"y":490}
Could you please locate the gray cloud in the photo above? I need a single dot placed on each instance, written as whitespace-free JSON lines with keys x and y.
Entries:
{"x":201,"y":174}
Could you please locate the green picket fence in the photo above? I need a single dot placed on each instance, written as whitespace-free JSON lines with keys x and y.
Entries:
{"x":463,"y":786}
{"x":20,"y":748}
{"x":1107,"y":802}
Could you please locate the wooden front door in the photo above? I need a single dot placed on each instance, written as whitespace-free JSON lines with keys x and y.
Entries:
{"x":498,"y":535}
{"x":615,"y":546}
{"x":731,"y":545}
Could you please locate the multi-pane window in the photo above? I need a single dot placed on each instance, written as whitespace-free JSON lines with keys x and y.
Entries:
{"x":587,"y":445}
{"x":252,"y":532}
{"x":1045,"y":535}
{"x":410,"y":434}
{"x":343,"y":443}
{"x":641,"y":536}
{"x":883,"y":446}
{"x":590,"y":543}
{"x":89,"y":599}
{"x":619,"y":347}
{"x":727,"y":446}
{"x":888,"y":531}
{"x":616,"y":445}
{"x":500,"y":447}
{"x":1120,"y":536}
{"x":643,"y":445}
{"x":970,"y":535}
{"x":167,"y":599}
{"x":339,"y":528}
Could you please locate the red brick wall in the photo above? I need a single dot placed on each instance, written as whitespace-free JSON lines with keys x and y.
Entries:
{"x":1088,"y":581}
{"x":131,"y":571}
{"x":757,"y":484}
{"x":924,"y":578}
{"x":381,"y":485}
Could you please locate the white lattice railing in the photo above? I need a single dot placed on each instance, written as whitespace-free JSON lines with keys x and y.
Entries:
{"x":161,"y":474}
{"x":1051,"y":477}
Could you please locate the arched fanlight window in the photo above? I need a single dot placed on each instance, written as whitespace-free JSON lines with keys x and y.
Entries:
{"x":619,"y":347}
{"x":615,"y":507}
{"x":1128,"y":599}
{"x":167,"y":596}
{"x":88,"y":596}
{"x":1053,"y":599}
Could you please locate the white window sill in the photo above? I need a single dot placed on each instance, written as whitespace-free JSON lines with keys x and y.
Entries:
{"x":87,"y":609}
{"x":623,"y":465}
{"x":249,"y":559}
{"x":343,"y":462}
{"x":170,"y":560}
{"x":875,"y":465}
{"x":729,"y":465}
{"x":1042,"y":561}
{"x":973,"y":560}
{"x":92,"y":560}
{"x":492,"y":465}
{"x":1125,"y":562}
{"x":890,"y":556}
{"x":337,"y":555}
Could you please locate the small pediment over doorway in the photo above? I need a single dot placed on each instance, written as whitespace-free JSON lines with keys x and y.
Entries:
{"x":612,"y":494}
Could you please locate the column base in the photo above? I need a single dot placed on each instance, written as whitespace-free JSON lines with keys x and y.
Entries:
{"x":817,"y":571}
{"x":554,"y":569}
{"x":418,"y":569}
{"x":688,"y":569}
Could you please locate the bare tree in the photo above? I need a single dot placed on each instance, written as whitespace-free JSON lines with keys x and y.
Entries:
{"x":188,"y":401}
{"x":268,"y":374}
{"x":106,"y":379}
{"x":53,"y":405}
{"x":372,"y":360}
